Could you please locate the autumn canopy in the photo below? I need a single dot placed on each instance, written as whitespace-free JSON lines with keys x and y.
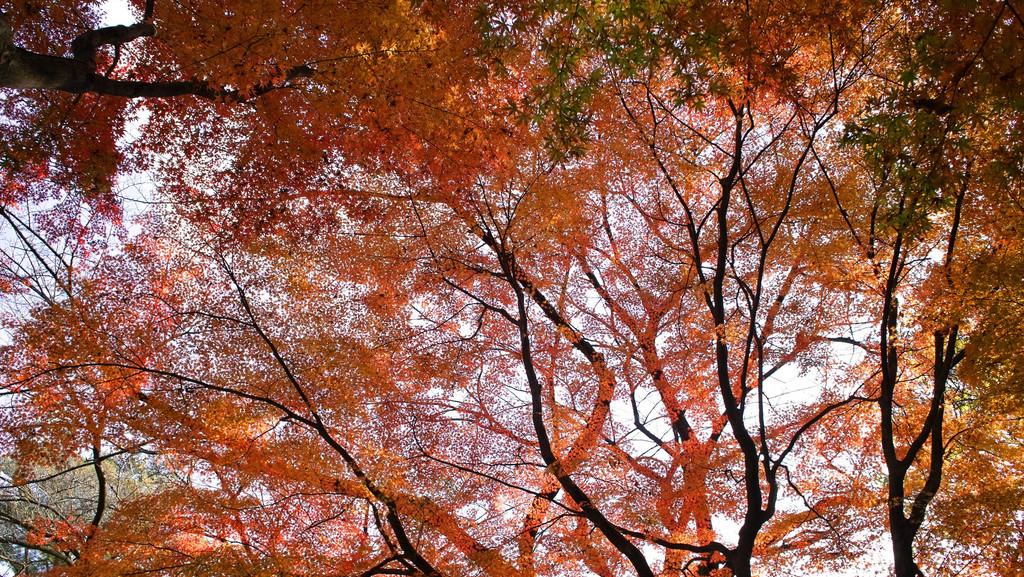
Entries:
{"x":329,"y":288}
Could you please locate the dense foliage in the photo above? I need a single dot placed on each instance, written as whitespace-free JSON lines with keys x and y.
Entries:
{"x":514,"y":289}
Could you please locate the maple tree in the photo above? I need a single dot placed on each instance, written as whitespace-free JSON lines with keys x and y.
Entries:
{"x":511,"y":288}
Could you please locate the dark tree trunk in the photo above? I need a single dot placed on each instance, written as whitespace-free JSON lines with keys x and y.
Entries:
{"x":739,"y":561}
{"x":903,"y":534}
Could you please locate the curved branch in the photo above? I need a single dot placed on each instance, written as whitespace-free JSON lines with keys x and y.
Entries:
{"x":101,"y":490}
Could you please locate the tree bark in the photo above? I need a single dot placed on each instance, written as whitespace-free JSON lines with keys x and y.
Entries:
{"x":22,"y":69}
{"x":903,"y":546}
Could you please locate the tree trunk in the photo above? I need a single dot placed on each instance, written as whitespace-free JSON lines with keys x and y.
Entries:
{"x":903,"y":546}
{"x":739,"y":560}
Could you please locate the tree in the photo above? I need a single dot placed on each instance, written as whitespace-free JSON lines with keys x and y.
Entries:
{"x":932,"y":158}
{"x":518,"y":289}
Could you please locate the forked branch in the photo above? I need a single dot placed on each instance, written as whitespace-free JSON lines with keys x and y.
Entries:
{"x":22,"y":69}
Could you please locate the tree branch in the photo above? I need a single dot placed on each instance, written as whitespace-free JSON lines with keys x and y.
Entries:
{"x":22,"y":69}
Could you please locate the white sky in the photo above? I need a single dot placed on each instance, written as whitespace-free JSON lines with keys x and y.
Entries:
{"x":117,"y":13}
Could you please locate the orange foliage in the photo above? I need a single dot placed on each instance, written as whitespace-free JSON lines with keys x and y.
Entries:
{"x":511,"y":288}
